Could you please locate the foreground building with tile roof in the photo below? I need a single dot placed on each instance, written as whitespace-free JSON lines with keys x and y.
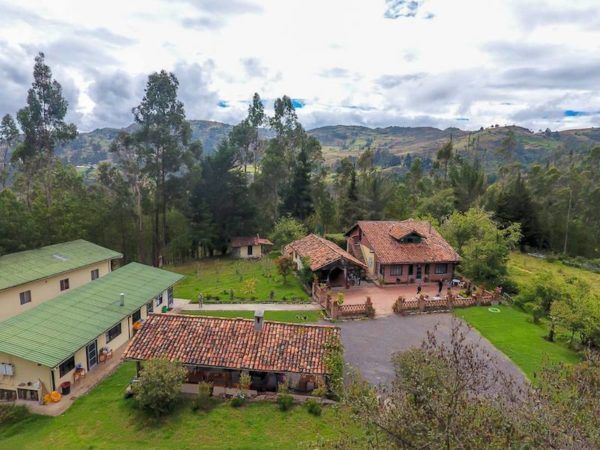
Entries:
{"x":219,"y":349}
{"x":408,"y":251}
{"x":58,"y":340}
{"x":32,"y":277}
{"x":330,"y":263}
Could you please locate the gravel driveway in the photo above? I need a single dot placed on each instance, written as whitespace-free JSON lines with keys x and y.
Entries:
{"x":369,"y":344}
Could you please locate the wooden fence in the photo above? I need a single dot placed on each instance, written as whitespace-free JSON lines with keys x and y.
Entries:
{"x":322,"y":295}
{"x":423,"y":304}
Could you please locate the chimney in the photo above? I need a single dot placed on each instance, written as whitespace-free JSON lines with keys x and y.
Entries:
{"x":122,"y":299}
{"x":258,"y":320}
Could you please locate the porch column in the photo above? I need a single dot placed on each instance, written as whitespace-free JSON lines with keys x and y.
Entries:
{"x":346,"y":284}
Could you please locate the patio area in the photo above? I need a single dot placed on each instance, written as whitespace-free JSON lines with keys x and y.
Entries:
{"x":79,"y":388}
{"x":383,"y":297}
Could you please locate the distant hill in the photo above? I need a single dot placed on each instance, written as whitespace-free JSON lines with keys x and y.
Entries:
{"x":394,"y":147}
{"x":93,"y":147}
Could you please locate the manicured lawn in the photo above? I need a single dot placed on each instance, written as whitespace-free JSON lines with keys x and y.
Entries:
{"x":229,"y":280}
{"x":522,"y":268}
{"x":513,"y":332}
{"x":279,"y":316}
{"x":103,"y":419}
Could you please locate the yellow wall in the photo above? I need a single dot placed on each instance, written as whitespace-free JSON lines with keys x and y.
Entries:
{"x":46,"y":289}
{"x":24,"y":372}
{"x":27,"y":371}
{"x":256,"y":252}
{"x":369,"y":258}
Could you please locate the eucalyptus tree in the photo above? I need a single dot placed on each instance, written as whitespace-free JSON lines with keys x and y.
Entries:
{"x":164,"y":136}
{"x":8,"y":137}
{"x":44,"y":127}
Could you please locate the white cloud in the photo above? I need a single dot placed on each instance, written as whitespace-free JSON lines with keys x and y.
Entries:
{"x":376,"y":63}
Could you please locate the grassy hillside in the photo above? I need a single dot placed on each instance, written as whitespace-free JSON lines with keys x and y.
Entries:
{"x":391,"y":145}
{"x":521,"y":267}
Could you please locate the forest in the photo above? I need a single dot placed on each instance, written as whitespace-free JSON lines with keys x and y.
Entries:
{"x":161,"y":199}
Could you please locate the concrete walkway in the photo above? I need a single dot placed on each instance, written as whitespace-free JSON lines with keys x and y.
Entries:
{"x":180,"y":304}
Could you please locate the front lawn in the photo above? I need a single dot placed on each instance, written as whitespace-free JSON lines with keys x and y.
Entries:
{"x":103,"y":419}
{"x":278,"y":316}
{"x":513,"y":332}
{"x":228,"y":280}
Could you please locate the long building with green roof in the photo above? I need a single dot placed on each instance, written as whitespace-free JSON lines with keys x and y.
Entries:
{"x":44,"y":346}
{"x":32,"y":277}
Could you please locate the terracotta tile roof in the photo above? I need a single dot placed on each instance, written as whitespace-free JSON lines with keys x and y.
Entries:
{"x":233,"y":343}
{"x":321,"y":252}
{"x":384,"y":236}
{"x":244,"y":241}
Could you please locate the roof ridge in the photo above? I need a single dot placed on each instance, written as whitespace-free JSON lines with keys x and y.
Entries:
{"x":242,"y":319}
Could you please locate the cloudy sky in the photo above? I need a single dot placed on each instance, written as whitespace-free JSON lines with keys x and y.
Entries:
{"x":464,"y":63}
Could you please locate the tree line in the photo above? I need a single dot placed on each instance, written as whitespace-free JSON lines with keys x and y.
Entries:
{"x":160,"y":199}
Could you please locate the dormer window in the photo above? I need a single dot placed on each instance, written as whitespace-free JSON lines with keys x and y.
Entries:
{"x":411,"y":238}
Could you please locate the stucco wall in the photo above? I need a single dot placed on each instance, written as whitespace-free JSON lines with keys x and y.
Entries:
{"x":27,"y":371}
{"x":256,"y":252}
{"x":44,"y":290}
{"x":24,"y":372}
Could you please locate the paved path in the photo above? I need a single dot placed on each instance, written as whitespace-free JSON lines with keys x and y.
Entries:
{"x":370,"y":344}
{"x":180,"y":304}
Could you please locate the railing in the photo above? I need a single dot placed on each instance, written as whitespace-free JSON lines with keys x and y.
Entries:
{"x":447,"y":303}
{"x":322,"y":295}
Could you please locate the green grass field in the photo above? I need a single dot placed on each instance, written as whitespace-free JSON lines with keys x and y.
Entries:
{"x":522,"y":268}
{"x":250,"y":281}
{"x":104,"y":419}
{"x":278,"y":316}
{"x":513,"y":332}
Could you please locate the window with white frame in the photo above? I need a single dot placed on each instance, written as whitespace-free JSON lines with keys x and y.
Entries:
{"x":441,"y":269}
{"x":396,"y":270}
{"x":95,"y":274}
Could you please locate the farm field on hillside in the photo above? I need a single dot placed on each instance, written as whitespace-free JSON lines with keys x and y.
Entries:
{"x":512,"y":332}
{"x":227,"y":280}
{"x":522,"y":268}
{"x":104,"y":419}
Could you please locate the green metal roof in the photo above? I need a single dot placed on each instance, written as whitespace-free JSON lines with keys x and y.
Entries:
{"x":54,"y":330}
{"x":30,"y":265}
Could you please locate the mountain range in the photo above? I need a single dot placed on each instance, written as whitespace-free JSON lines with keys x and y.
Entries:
{"x":393,"y":147}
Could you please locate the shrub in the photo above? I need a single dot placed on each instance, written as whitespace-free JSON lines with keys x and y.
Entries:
{"x":397,"y":307}
{"x":284,"y":399}
{"x":204,"y":401}
{"x":238,"y":400}
{"x":320,"y":390}
{"x":245,"y":380}
{"x":10,"y":413}
{"x":340,"y":298}
{"x":313,"y":407}
{"x":285,"y":266}
{"x":159,"y":386}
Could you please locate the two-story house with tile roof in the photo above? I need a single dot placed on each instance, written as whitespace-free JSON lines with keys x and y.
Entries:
{"x":408,"y":251}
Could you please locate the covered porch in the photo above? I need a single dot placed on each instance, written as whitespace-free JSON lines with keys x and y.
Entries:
{"x":340,"y":273}
{"x":262,"y":381}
